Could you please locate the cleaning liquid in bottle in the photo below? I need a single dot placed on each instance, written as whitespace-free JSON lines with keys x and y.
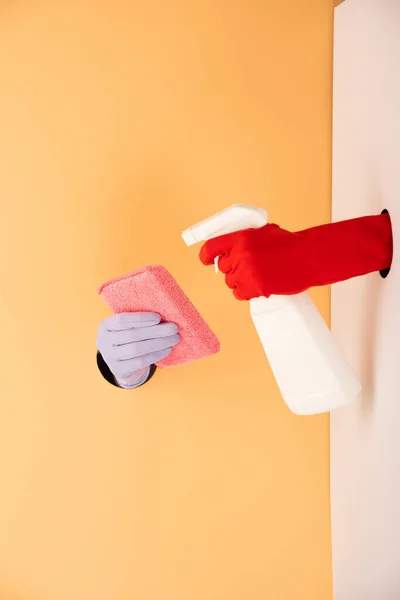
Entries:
{"x":312,"y":373}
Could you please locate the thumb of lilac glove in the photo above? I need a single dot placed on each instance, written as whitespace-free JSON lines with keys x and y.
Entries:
{"x":131,"y":342}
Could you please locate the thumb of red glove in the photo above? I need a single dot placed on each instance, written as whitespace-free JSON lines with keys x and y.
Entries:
{"x":271,"y":260}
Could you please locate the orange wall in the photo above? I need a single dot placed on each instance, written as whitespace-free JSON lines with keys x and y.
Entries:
{"x":113,"y":117}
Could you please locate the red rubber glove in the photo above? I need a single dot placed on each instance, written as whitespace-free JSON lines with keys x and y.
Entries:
{"x":271,"y":260}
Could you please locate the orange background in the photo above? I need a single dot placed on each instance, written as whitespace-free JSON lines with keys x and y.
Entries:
{"x":122,"y":123}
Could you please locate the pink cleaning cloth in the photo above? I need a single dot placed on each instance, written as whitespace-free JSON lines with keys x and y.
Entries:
{"x":153,"y":289}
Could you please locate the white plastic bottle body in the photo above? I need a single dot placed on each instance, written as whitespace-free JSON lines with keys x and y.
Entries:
{"x":312,"y":373}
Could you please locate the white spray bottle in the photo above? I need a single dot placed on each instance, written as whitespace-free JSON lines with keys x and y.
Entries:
{"x":312,"y":373}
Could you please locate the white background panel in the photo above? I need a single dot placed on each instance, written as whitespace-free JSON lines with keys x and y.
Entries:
{"x":365,"y":436}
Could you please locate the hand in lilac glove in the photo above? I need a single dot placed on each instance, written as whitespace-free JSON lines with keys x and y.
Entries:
{"x":130,"y":343}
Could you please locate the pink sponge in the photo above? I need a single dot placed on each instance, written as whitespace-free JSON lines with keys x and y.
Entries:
{"x":153,"y":289}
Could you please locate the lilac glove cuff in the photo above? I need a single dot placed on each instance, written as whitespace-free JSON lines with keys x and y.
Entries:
{"x":108,"y":375}
{"x":135,"y":380}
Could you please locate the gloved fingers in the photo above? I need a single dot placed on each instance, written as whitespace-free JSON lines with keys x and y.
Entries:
{"x":218,"y":246}
{"x":231,"y":280}
{"x":239,"y":295}
{"x":130,"y":320}
{"x":124,"y":369}
{"x":120,"y":338}
{"x":225,"y":263}
{"x":137,"y":349}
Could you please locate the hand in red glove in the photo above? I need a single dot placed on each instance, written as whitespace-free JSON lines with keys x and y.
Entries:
{"x":271,"y":260}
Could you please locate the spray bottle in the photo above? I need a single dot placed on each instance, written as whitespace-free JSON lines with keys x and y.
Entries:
{"x":312,"y":373}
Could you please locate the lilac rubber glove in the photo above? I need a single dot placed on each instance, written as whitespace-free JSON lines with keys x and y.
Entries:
{"x":130,"y":343}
